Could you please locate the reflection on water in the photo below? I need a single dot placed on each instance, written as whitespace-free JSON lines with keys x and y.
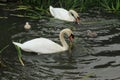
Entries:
{"x":90,"y":59}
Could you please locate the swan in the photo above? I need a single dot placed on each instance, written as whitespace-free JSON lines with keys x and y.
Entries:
{"x":27,"y":26}
{"x":46,"y":46}
{"x":62,"y":14}
{"x":91,"y":33}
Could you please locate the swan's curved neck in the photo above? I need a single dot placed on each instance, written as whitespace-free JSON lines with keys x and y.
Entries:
{"x":62,"y":39}
{"x":71,"y":14}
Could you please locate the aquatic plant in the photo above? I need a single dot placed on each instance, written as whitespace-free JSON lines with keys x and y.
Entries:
{"x":19,"y":55}
{"x":36,"y":9}
{"x":1,"y":62}
{"x":3,"y":49}
{"x":27,"y":12}
{"x":1,"y":4}
{"x":69,"y":4}
{"x":87,"y":76}
{"x":41,"y":7}
{"x":112,"y":6}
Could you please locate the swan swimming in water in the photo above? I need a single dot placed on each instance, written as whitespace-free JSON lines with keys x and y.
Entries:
{"x":27,"y":26}
{"x":62,"y":14}
{"x":46,"y":46}
{"x":91,"y":33}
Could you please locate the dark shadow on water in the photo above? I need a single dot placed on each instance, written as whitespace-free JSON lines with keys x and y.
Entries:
{"x":104,"y":65}
{"x":108,"y":53}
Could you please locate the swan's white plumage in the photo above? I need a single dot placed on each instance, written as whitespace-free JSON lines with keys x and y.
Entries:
{"x":44,"y":45}
{"x":27,"y":26}
{"x":40,"y":45}
{"x":61,"y":14}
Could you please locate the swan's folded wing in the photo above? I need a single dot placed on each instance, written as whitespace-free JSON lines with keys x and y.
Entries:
{"x":61,"y":13}
{"x":43,"y":45}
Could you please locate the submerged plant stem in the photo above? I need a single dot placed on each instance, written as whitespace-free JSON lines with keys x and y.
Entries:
{"x":19,"y":55}
{"x":70,"y":47}
{"x":3,"y":49}
{"x":21,"y":61}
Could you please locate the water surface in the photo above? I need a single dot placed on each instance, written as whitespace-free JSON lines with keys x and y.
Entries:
{"x":92,"y":58}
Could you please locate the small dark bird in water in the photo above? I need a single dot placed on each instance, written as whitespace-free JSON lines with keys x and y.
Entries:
{"x":91,"y":34}
{"x":27,"y":26}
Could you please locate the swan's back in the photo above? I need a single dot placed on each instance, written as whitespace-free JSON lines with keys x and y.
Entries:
{"x":60,"y":13}
{"x":41,"y":45}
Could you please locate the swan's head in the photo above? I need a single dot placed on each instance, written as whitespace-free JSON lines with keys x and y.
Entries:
{"x":89,"y":31}
{"x":69,"y":33}
{"x":27,"y":23}
{"x":75,"y":15}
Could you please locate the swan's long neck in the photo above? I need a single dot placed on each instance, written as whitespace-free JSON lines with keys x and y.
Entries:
{"x":62,"y":39}
{"x":74,"y":14}
{"x":71,"y":16}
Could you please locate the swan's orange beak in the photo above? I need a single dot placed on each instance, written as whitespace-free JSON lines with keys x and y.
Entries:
{"x":77,"y":20}
{"x":71,"y":37}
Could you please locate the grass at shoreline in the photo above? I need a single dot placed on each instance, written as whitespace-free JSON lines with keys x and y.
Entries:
{"x":37,"y":9}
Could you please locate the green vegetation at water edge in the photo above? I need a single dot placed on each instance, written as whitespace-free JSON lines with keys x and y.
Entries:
{"x":36,"y":9}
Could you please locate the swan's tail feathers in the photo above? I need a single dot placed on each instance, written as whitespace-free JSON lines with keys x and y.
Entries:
{"x":17,"y":44}
{"x":51,"y":10}
{"x":51,"y":7}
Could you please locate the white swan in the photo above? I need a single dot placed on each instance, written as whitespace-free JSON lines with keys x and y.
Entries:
{"x":62,"y":14}
{"x":46,"y":46}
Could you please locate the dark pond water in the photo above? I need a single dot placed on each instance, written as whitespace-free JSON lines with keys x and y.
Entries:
{"x":92,"y":58}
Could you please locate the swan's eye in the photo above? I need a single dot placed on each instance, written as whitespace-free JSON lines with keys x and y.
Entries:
{"x":72,"y":14}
